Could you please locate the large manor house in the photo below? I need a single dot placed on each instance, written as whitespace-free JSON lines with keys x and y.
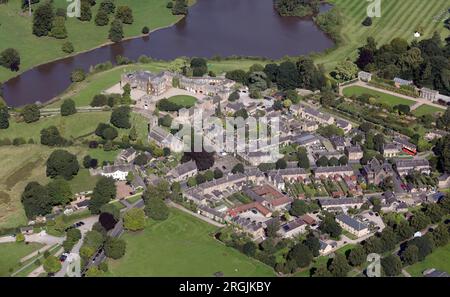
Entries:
{"x":157,"y":84}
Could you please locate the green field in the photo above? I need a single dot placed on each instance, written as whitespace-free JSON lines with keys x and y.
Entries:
{"x":84,"y":35}
{"x":70,"y":127}
{"x":182,"y":246}
{"x":427,"y":109}
{"x":398,"y":19}
{"x":379,"y":96}
{"x":439,"y":259}
{"x":183,"y":100}
{"x":11,"y":253}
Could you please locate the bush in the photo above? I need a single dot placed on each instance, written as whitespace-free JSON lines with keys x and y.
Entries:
{"x":367,"y":22}
{"x":68,"y":108}
{"x":134,"y":219}
{"x":145,"y":30}
{"x":77,"y":75}
{"x":67,"y":47}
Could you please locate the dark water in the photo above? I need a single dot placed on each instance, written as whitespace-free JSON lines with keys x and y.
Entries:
{"x":213,"y":27}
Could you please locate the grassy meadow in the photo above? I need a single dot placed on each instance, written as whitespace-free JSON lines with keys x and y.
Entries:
{"x":398,"y":19}
{"x":182,"y":246}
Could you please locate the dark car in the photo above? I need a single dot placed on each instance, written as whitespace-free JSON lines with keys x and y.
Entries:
{"x":63,"y":258}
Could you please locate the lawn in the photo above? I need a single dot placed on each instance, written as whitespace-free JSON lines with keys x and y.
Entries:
{"x":398,"y":19}
{"x":83,"y":181}
{"x":182,"y":246}
{"x":70,"y":127}
{"x":183,"y":100}
{"x":11,"y":253}
{"x":83,"y":35}
{"x":427,"y":109}
{"x":439,"y":259}
{"x":379,"y":96}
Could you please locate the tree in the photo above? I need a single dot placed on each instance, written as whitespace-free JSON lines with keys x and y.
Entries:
{"x":10,"y":58}
{"x":238,"y":168}
{"x":115,"y":248}
{"x":31,"y":113}
{"x":85,"y":11}
{"x":339,"y":266}
{"x":404,"y":230}
{"x":288,"y":76}
{"x":133,"y":135}
{"x":234,"y":96}
{"x":346,"y":70}
{"x":373,"y":245}
{"x":434,"y":212}
{"x":272,"y":228}
{"x":180,"y":7}
{"x":77,"y":75}
{"x":120,"y":117}
{"x":322,"y":161}
{"x":301,"y":254}
{"x":239,"y":76}
{"x":52,"y":264}
{"x":343,"y":160}
{"x":249,"y":248}
{"x":43,"y":19}
{"x":50,"y":136}
{"x":67,"y":47}
{"x":218,"y":173}
{"x":388,"y":239}
{"x":62,"y":163}
{"x":410,"y":255}
{"x":108,"y":6}
{"x":93,"y":271}
{"x":419,"y":221}
{"x":281,"y":164}
{"x":35,"y":200}
{"x":299,"y":208}
{"x":330,"y":226}
{"x":102,"y":18}
{"x":303,"y":160}
{"x":441,"y":235}
{"x":134,"y":219}
{"x":99,"y":100}
{"x":199,"y":66}
{"x":313,"y":244}
{"x":424,"y":244}
{"x":59,"y":30}
{"x":157,"y":209}
{"x":4,"y":117}
{"x":104,"y":191}
{"x":116,"y":31}
{"x":357,"y":256}
{"x":68,"y":107}
{"x":60,"y":191}
{"x":392,"y":266}
{"x":125,"y":14}
{"x":20,"y":237}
